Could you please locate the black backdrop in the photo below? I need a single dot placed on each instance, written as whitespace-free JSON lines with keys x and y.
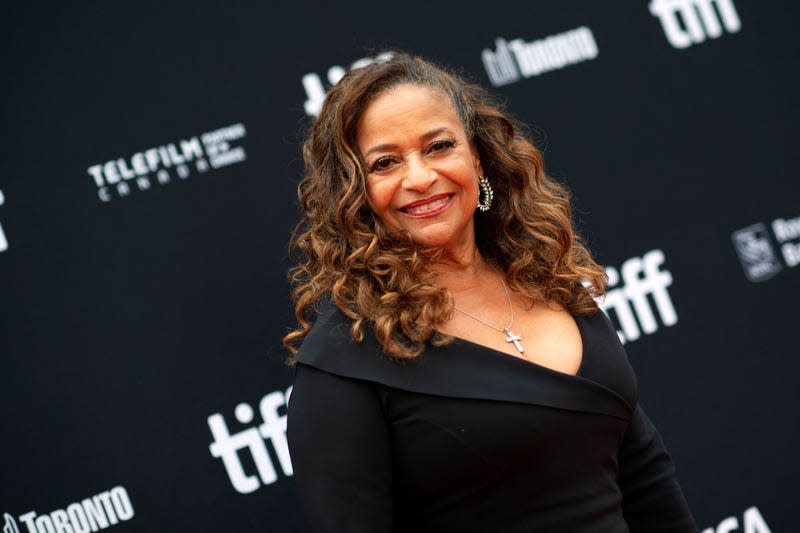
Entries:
{"x":143,"y":300}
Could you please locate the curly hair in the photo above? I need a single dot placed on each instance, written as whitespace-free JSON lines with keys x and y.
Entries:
{"x":381,"y":279}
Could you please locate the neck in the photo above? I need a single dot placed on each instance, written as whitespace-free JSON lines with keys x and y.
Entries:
{"x":468,"y":271}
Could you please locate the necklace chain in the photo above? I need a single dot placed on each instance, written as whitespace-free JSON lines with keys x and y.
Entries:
{"x":510,"y":308}
{"x":510,"y":335}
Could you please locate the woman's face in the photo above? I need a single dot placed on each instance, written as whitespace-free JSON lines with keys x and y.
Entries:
{"x":422,"y":171}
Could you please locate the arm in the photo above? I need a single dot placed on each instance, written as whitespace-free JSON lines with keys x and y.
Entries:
{"x":339,"y":444}
{"x":652,"y":500}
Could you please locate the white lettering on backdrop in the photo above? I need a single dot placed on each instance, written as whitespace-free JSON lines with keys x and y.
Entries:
{"x":629,"y":303}
{"x":752,"y":522}
{"x":227,"y":445}
{"x":688,"y":22}
{"x":94,"y":513}
{"x":315,"y":90}
{"x":3,"y":240}
{"x":211,"y":150}
{"x":517,"y":58}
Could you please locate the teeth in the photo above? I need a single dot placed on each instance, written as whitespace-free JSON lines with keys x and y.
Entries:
{"x":427,"y":207}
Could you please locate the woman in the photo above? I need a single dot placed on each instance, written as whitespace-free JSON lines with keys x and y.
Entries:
{"x":458,"y":375}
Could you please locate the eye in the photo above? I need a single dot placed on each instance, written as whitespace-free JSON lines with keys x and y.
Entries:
{"x":441,"y":145}
{"x":382,"y":163}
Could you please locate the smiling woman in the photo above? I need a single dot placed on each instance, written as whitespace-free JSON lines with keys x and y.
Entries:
{"x":390,"y":233}
{"x":422,"y":170}
{"x":458,"y":375}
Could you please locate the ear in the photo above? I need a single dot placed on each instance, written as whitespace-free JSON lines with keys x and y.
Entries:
{"x":476,"y":158}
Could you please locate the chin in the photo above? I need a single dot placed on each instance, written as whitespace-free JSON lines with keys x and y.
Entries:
{"x":431,"y":242}
{"x":438,"y":237}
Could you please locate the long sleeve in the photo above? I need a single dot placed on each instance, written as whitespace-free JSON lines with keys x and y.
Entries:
{"x":339,"y":444}
{"x":652,"y":500}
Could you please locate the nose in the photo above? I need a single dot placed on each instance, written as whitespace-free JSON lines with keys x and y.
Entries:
{"x":419,"y":176}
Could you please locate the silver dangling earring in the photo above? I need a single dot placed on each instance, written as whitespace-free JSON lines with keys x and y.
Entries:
{"x":488,"y":194}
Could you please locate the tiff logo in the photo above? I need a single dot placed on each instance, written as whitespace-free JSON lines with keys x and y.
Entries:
{"x":518,"y":58}
{"x":226,"y":446}
{"x":642,"y":278}
{"x":688,"y":22}
{"x":3,"y":240}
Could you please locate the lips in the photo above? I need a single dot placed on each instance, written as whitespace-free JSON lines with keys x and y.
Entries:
{"x":428,"y":207}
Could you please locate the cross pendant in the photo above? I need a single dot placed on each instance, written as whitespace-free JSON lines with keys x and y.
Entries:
{"x":512,"y":337}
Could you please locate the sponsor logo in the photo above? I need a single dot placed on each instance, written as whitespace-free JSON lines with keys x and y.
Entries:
{"x":752,"y":522}
{"x":630,"y":304}
{"x":94,"y":513}
{"x":688,"y":22}
{"x":3,"y":240}
{"x":315,"y":91}
{"x":516,"y":59}
{"x":757,"y":253}
{"x":786,"y":231}
{"x":253,"y":440}
{"x":160,"y":165}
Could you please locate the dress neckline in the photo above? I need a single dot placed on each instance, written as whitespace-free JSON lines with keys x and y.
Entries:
{"x":474,"y":371}
{"x":578,"y":374}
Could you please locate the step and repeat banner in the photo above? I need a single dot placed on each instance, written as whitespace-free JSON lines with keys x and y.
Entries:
{"x":150,"y":158}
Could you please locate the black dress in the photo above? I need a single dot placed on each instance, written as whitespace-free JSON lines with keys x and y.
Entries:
{"x":467,"y":439}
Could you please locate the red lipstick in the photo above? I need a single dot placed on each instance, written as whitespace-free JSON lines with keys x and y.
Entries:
{"x":428,"y":207}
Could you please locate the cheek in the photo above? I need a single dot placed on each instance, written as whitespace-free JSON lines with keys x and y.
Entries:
{"x":470,"y":183}
{"x":379,"y":196}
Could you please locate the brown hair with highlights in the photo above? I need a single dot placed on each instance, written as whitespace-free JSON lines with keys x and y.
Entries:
{"x":381,"y":280}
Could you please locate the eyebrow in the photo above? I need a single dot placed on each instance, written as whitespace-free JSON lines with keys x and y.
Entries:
{"x":425,"y":137}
